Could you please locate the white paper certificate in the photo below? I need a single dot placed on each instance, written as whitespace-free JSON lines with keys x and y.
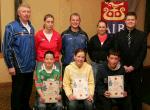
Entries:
{"x":50,"y":91}
{"x":116,"y":86}
{"x":80,"y":88}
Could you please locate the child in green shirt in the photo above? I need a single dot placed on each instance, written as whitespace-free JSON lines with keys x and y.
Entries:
{"x":47,"y":71}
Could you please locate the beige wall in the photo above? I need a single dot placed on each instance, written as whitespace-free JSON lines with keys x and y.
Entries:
{"x":4,"y":76}
{"x":61,"y":9}
{"x":7,"y":15}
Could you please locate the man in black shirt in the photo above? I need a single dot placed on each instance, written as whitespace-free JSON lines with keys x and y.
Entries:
{"x":132,"y":44}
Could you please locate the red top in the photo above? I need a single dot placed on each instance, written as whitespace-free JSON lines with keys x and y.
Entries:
{"x":102,"y":38}
{"x":42,"y":45}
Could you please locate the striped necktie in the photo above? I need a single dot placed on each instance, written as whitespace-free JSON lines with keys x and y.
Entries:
{"x":129,"y":39}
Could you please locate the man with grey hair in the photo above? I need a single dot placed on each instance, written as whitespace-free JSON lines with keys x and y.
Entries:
{"x":19,"y":55}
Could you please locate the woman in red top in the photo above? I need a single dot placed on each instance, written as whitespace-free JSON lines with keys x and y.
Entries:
{"x":48,"y":39}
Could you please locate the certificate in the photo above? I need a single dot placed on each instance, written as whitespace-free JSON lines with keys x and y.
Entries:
{"x":116,"y":86}
{"x":80,"y":88}
{"x":50,"y":91}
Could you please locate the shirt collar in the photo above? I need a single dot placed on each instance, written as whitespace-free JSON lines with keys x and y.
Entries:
{"x":44,"y":68}
{"x":130,"y":31}
{"x":29,"y":23}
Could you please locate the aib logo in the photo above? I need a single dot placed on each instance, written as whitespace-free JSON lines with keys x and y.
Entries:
{"x":114,"y":11}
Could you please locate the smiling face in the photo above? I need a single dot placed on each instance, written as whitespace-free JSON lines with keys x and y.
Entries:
{"x":75,"y":22}
{"x":130,"y":22}
{"x":24,"y":14}
{"x":79,"y":58}
{"x":101,"y":28}
{"x":49,"y":60}
{"x":113,"y":60}
{"x":49,"y":23}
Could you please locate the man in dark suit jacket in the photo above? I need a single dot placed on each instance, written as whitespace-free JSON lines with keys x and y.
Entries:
{"x":132,"y":44}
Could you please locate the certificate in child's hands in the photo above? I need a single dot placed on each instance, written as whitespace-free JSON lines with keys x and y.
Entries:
{"x":80,"y":88}
{"x":116,"y":86}
{"x":50,"y":91}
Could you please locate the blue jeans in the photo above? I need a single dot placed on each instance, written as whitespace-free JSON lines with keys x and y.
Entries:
{"x":96,"y":67}
{"x":47,"y":106}
{"x":80,"y":104}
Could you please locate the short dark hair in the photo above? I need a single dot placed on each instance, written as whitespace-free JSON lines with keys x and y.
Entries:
{"x":102,"y":22}
{"x":113,"y":52}
{"x":131,"y":14}
{"x":75,"y":14}
{"x":48,"y":52}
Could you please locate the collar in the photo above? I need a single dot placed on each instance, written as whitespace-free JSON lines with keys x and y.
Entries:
{"x":117,"y":67}
{"x":18,"y":20}
{"x":126,"y":30}
{"x":48,"y":71}
{"x":80,"y":30}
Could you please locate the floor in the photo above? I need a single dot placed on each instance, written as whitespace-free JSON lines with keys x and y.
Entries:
{"x":5,"y":91}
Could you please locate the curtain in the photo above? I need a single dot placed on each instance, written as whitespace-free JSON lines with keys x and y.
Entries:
{"x":147,"y":17}
{"x":16,"y":3}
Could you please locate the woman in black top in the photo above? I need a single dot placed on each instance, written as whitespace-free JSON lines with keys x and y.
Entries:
{"x":99,"y":46}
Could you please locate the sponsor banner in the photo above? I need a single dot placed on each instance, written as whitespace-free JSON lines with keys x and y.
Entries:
{"x":114,"y":13}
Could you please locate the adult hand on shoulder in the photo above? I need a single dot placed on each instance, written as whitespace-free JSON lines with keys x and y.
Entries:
{"x":107,"y":94}
{"x":12,"y":71}
{"x":71,"y":97}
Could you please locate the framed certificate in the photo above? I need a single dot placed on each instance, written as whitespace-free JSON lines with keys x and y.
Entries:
{"x":50,"y":91}
{"x":116,"y":86}
{"x":80,"y":88}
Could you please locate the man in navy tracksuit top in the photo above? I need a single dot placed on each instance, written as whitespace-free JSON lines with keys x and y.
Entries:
{"x":73,"y":38}
{"x":19,"y":55}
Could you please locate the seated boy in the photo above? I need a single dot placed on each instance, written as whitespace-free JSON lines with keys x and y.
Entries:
{"x":112,"y":67}
{"x":47,"y":71}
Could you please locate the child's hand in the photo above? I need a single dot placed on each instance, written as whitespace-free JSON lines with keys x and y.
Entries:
{"x":42,"y":99}
{"x":71,"y":97}
{"x":107,"y":94}
{"x":125,"y":94}
{"x":61,"y":84}
{"x":58,"y":97}
{"x":90,"y":98}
